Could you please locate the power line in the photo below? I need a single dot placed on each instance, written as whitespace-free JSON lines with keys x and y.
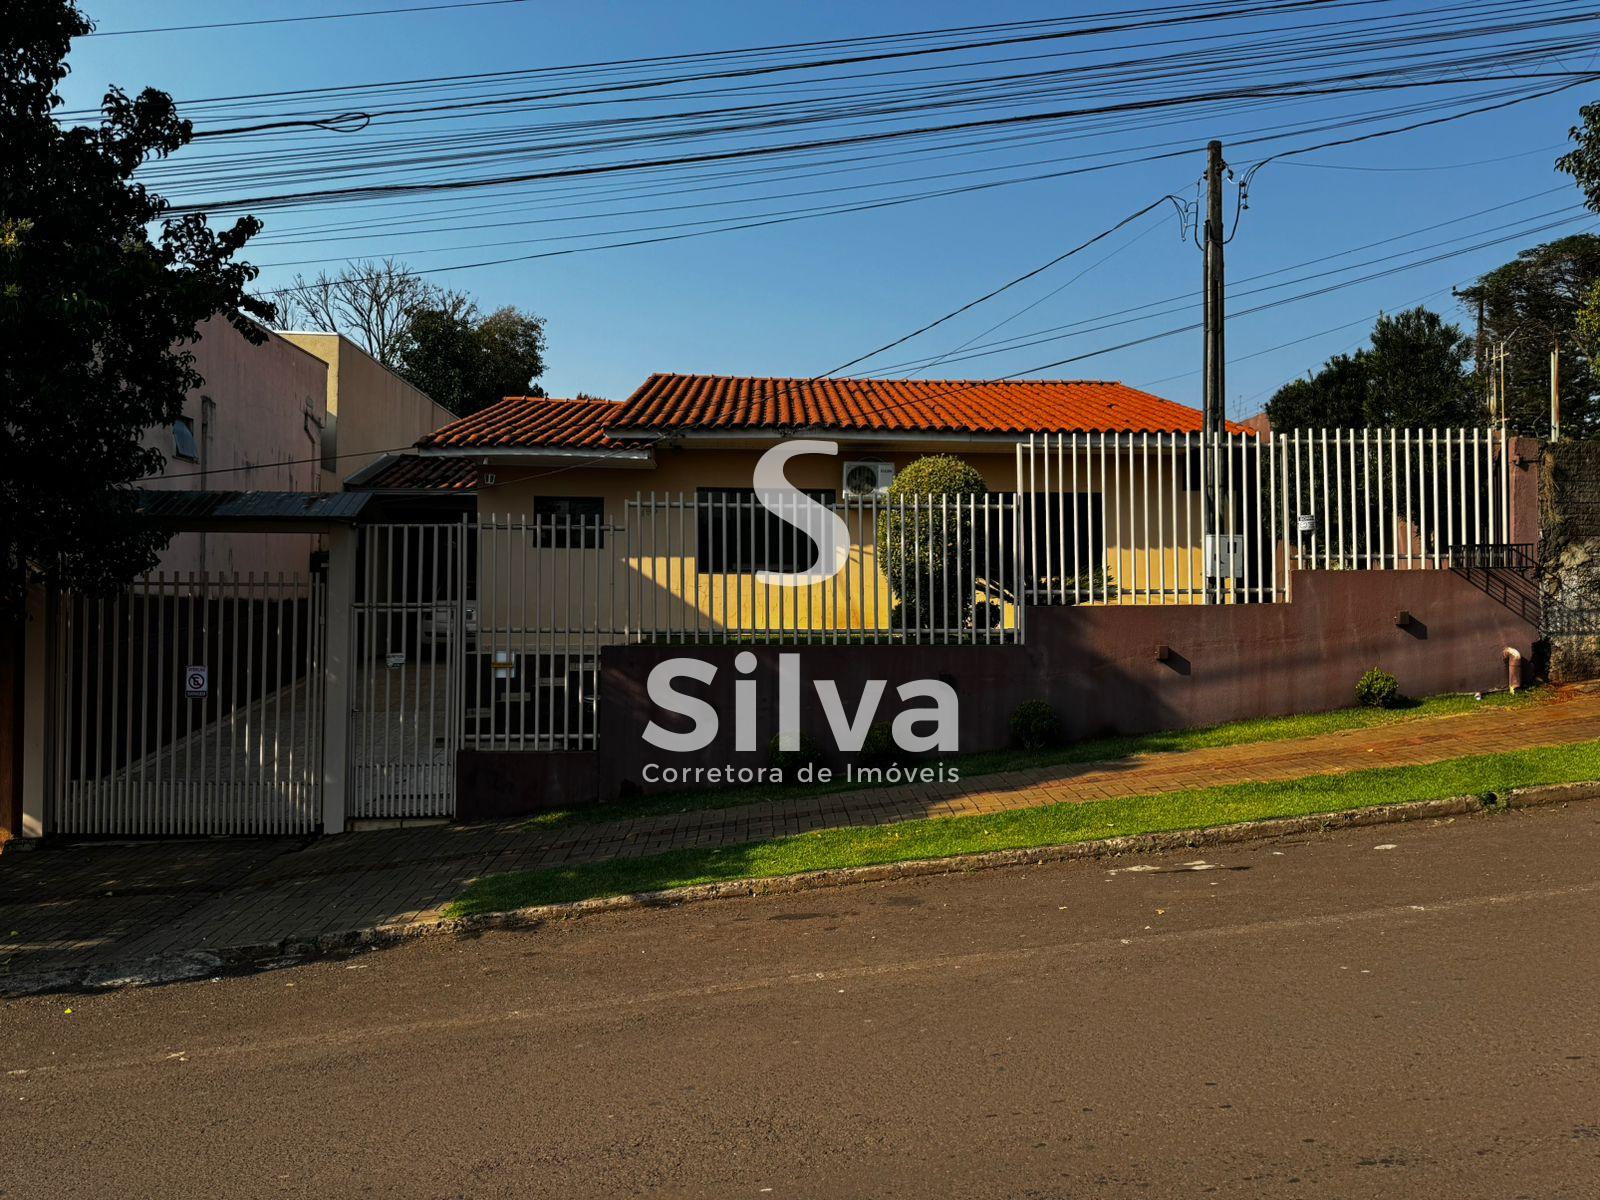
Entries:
{"x":369,"y":12}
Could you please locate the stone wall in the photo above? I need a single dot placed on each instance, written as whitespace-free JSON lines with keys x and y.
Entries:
{"x":1569,"y":555}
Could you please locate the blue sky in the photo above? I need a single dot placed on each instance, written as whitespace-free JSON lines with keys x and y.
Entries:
{"x":800,"y":298}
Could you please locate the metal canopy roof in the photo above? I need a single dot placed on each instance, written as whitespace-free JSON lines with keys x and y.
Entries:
{"x":250,"y":510}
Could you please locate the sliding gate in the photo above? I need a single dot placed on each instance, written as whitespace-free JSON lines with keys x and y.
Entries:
{"x":188,"y":704}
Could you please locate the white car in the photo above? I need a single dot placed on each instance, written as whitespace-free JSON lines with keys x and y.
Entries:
{"x":438,"y":625}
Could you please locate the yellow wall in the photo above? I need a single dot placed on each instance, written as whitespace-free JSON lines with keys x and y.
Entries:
{"x":371,"y":410}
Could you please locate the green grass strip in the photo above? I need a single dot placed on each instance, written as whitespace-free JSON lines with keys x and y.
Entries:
{"x":1235,"y":733}
{"x":1052,"y":825}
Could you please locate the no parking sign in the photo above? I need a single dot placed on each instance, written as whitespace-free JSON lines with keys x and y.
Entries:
{"x":196,"y":682}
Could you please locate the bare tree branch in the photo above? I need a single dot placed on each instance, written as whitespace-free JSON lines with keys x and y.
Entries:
{"x":369,"y":302}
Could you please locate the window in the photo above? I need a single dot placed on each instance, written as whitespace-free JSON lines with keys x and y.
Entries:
{"x":183,"y":444}
{"x":736,"y":534}
{"x":569,"y":522}
{"x":1064,"y":530}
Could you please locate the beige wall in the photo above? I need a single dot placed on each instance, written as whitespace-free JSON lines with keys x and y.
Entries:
{"x":371,"y":410}
{"x":257,"y":422}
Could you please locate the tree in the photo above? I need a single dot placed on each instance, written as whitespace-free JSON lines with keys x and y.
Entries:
{"x":1587,"y":329}
{"x":372,"y":303}
{"x":1583,"y":161}
{"x":96,"y":312}
{"x":466,"y":361}
{"x":434,"y":337}
{"x":1531,"y":304}
{"x":1414,"y":373}
{"x":920,"y":542}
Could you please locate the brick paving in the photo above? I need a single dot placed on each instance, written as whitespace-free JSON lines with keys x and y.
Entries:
{"x":65,"y":907}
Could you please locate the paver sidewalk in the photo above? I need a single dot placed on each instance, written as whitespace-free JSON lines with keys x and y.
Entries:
{"x":97,"y":908}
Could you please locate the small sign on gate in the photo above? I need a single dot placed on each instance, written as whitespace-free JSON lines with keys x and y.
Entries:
{"x":1305,"y":523}
{"x":196,"y":682}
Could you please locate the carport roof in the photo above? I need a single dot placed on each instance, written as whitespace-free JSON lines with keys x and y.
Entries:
{"x":212,"y":510}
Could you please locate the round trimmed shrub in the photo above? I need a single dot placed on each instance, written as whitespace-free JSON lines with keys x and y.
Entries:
{"x":918,"y":554}
{"x":1034,"y":725}
{"x":1378,"y":689}
{"x":790,"y":761}
{"x":878,"y":748}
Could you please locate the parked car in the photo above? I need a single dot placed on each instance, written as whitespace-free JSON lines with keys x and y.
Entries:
{"x":439,"y":625}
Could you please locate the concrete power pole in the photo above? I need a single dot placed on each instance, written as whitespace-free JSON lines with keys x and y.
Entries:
{"x":1215,"y":358}
{"x":1555,"y":392}
{"x":1215,"y":377}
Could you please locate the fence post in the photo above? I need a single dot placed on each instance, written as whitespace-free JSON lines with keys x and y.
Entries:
{"x":338,"y":675}
{"x":40,"y":718}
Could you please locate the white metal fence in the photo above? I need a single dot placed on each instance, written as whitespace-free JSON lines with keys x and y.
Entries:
{"x":189,"y":704}
{"x":547,"y":593}
{"x":1191,"y":518}
{"x":920,"y":570}
{"x":488,"y":635}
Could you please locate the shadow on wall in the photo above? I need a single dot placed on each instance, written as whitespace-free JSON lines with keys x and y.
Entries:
{"x":1106,"y":670}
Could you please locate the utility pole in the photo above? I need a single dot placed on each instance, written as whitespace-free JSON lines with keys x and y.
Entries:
{"x":1215,"y":378}
{"x":1215,"y":365}
{"x":1555,"y":392}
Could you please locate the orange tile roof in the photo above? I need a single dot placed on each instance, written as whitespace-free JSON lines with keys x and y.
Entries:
{"x":533,"y":422}
{"x":665,"y":403}
{"x":415,"y":473}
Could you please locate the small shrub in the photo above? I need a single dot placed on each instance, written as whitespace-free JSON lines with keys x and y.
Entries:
{"x":790,"y":761}
{"x":878,"y":748}
{"x":1034,"y":725}
{"x":1378,"y":689}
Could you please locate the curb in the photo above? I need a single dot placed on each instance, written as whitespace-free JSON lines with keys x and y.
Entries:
{"x":206,"y":963}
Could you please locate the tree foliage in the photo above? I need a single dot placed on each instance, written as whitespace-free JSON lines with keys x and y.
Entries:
{"x":1586,"y":331}
{"x":1413,"y":373}
{"x":1532,"y":304}
{"x":920,"y":541}
{"x":466,"y":361}
{"x":436,"y":338}
{"x":96,"y":312}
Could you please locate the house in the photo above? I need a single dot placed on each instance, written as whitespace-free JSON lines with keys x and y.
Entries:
{"x":694,"y":440}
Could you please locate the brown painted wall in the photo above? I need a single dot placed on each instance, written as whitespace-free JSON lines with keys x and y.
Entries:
{"x":1096,"y":665}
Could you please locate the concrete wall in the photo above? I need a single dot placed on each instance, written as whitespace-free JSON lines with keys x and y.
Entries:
{"x":1096,"y":665}
{"x":371,"y":410}
{"x":257,"y":421}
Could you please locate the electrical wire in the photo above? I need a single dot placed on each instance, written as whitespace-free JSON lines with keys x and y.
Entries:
{"x":370,"y":12}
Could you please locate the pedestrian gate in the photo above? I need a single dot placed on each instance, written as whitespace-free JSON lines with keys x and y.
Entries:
{"x":412,"y":620}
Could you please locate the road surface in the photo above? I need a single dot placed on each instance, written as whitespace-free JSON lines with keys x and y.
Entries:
{"x":1387,"y":1012}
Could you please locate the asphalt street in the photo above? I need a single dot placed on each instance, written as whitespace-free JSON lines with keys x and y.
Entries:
{"x":1399,"y":1011}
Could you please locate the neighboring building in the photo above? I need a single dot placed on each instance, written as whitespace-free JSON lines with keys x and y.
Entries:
{"x":371,"y":410}
{"x":296,"y":413}
{"x":255,"y":424}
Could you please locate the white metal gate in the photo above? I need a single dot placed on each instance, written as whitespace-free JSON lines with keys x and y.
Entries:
{"x":413,"y":619}
{"x":189,"y":704}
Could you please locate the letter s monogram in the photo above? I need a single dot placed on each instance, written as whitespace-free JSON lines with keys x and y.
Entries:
{"x":793,"y":507}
